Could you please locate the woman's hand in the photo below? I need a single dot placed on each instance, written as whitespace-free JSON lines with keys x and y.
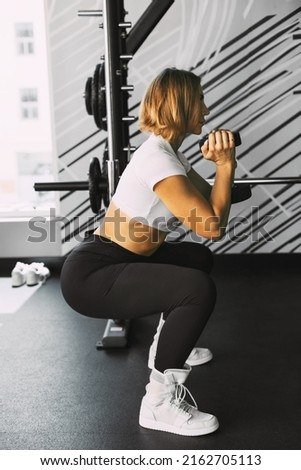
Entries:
{"x":220,"y":147}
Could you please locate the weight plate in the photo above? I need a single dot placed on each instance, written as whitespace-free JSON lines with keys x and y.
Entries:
{"x":94,"y":97}
{"x":102,"y":107}
{"x":88,"y":92}
{"x":105,"y":195}
{"x":240,"y":192}
{"x":94,"y":183}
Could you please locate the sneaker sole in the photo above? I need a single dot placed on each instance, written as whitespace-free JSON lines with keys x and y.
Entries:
{"x":157,"y":426}
{"x":30,"y":284}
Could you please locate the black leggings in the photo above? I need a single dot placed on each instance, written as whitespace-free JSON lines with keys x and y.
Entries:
{"x":100,"y":279}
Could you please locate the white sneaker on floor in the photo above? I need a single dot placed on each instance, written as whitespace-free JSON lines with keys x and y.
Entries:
{"x":36,"y":273}
{"x":18,"y":274}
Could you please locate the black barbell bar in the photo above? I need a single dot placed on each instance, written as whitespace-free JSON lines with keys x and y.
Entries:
{"x":63,"y":186}
{"x":84,"y":185}
{"x":264,"y":181}
{"x":98,"y":188}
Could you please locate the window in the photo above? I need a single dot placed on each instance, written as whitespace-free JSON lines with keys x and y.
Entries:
{"x":29,"y":103}
{"x":24,"y":35}
{"x":27,"y":152}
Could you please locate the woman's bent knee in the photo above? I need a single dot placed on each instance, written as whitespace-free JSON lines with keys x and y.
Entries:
{"x":202,"y":288}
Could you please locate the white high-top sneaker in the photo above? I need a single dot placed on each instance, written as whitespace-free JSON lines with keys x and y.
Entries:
{"x":197,"y":356}
{"x":163,"y":407}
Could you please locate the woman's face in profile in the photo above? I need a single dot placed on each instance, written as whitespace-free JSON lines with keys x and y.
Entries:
{"x":198,"y":117}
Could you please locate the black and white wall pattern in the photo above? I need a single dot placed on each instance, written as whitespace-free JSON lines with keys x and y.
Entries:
{"x":248,"y":55}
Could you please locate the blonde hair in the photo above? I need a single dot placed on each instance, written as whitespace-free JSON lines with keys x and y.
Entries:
{"x":169,"y":103}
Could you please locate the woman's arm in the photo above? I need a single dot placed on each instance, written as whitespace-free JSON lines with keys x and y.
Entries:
{"x":207,"y":218}
{"x":185,"y":202}
{"x":200,"y":183}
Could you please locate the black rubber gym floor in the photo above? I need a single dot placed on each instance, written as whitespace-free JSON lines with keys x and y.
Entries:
{"x":59,"y":392}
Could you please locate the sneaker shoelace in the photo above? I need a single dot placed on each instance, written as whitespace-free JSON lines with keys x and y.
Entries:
{"x":178,"y":400}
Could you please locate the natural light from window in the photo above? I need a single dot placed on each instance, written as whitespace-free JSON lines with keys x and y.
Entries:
{"x":26,"y":151}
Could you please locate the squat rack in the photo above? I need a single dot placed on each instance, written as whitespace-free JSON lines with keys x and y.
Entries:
{"x":119,"y":49}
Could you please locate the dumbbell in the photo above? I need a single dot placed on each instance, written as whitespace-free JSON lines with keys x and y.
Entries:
{"x":240,"y":192}
{"x":236,"y":135}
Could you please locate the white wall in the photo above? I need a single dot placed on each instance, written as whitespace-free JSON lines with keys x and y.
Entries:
{"x":34,"y":237}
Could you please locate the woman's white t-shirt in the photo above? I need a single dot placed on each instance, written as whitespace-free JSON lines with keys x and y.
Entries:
{"x":152,"y":162}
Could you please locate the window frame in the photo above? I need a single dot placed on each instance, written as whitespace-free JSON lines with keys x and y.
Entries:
{"x":24,"y":42}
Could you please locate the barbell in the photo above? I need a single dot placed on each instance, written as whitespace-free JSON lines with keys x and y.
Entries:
{"x":97,"y":185}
